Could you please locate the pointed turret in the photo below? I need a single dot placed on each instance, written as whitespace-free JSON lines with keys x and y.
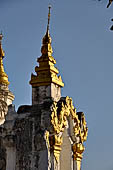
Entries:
{"x":3,"y":75}
{"x":6,"y":96}
{"x":46,"y":72}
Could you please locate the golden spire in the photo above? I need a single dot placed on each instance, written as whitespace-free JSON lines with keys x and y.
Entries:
{"x":46,"y":41}
{"x":47,"y":73}
{"x":3,"y":75}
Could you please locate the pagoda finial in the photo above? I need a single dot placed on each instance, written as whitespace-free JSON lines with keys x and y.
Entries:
{"x":3,"y":75}
{"x":46,"y":41}
{"x":47,"y":73}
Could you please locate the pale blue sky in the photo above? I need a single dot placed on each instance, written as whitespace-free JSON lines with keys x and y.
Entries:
{"x":83,"y":49}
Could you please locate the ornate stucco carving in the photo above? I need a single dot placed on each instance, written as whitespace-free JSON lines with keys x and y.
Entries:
{"x":3,"y":110}
{"x":59,"y":116}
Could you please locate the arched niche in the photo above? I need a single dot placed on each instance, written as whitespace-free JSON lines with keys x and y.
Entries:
{"x":66,"y":159}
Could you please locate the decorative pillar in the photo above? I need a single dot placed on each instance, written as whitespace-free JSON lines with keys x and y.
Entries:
{"x":11,"y":158}
{"x":78,"y":149}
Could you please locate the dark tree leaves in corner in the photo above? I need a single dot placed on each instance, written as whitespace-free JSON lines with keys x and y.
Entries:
{"x":108,"y":5}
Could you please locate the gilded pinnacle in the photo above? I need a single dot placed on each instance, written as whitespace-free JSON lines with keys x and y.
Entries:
{"x":46,"y":42}
{"x":47,"y":73}
{"x":3,"y":75}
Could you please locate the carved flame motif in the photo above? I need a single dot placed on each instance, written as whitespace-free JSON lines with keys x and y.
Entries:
{"x":84,"y":131}
{"x":59,"y":122}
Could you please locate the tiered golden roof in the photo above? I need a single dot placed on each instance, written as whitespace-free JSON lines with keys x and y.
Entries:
{"x":3,"y":75}
{"x":47,"y":73}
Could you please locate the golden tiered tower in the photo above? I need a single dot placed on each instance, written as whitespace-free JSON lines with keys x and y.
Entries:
{"x":47,"y":73}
